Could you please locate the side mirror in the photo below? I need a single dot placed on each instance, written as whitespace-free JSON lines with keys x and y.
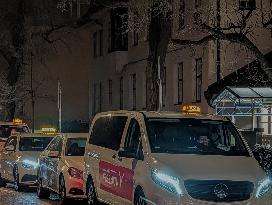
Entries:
{"x":54,"y":154}
{"x":10,"y":148}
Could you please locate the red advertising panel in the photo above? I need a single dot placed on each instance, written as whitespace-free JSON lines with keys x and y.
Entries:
{"x":116,"y":180}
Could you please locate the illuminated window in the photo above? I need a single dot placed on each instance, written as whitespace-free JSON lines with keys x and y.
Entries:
{"x":180,"y":83}
{"x":198,"y":75}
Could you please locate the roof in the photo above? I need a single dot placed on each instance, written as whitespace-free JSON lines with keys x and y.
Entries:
{"x":35,"y":135}
{"x":75,"y":135}
{"x":250,"y":92}
{"x":165,"y":114}
{"x":12,"y":124}
{"x":251,"y":75}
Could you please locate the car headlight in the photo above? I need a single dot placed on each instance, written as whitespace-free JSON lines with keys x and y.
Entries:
{"x":28,"y":164}
{"x":170,"y":183}
{"x":264,"y":186}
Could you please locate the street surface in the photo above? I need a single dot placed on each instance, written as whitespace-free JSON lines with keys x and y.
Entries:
{"x":10,"y":197}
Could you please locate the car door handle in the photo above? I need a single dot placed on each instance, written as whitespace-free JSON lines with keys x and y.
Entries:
{"x":94,"y":155}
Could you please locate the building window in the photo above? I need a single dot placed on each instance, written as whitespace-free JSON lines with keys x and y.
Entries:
{"x":135,"y":31}
{"x":182,"y":14}
{"x":121,"y":93}
{"x":134,"y":91}
{"x":100,"y":97}
{"x":198,"y":79}
{"x":94,"y":98}
{"x":101,"y":42}
{"x":109,"y":37}
{"x":247,"y":5}
{"x":164,"y":86}
{"x":110,"y":92}
{"x":180,"y":83}
{"x":119,"y":28}
{"x":95,"y":44}
{"x":197,"y":3}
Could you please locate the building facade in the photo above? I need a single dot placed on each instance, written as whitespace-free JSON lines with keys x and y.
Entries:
{"x":119,"y":60}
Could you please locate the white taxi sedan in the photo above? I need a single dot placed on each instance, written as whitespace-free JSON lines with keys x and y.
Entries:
{"x":61,"y":165}
{"x":19,"y":159}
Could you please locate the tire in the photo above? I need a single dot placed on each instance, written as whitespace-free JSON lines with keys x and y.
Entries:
{"x":138,"y":197}
{"x":42,"y":193}
{"x":2,"y":182}
{"x":90,"y":192}
{"x":17,"y":186}
{"x":62,"y":190}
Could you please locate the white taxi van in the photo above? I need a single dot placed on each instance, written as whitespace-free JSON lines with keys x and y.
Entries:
{"x":19,"y":159}
{"x":61,"y":166}
{"x":8,"y":128}
{"x":163,"y":158}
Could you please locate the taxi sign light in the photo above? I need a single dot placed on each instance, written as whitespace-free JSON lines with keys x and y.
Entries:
{"x":17,"y":121}
{"x":49,"y":129}
{"x":191,"y":109}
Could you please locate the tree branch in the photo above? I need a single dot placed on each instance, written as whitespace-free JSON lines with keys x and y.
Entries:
{"x":193,"y":42}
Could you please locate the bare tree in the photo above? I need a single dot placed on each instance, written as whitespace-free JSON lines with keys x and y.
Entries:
{"x":29,"y":29}
{"x":158,"y":17}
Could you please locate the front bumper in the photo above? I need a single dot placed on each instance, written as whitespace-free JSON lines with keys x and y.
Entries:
{"x":28,"y":176}
{"x":74,"y":188}
{"x":162,"y":197}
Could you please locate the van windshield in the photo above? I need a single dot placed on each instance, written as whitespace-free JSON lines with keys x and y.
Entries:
{"x":6,"y":130}
{"x":194,"y":136}
{"x":34,"y":143}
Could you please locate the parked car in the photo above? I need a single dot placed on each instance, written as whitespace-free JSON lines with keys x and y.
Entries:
{"x":171,"y":158}
{"x":263,"y":155}
{"x":8,"y":128}
{"x":61,"y":166}
{"x":19,"y":159}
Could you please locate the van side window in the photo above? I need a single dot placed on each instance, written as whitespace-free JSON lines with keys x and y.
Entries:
{"x":107,"y":132}
{"x":133,"y":135}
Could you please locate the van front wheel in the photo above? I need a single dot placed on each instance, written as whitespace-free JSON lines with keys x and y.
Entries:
{"x":90,"y":191}
{"x":139,"y":197}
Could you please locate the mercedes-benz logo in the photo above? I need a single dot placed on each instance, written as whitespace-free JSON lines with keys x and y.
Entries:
{"x":221,"y":191}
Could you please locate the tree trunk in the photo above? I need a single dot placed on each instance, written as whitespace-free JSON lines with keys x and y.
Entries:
{"x":160,"y":28}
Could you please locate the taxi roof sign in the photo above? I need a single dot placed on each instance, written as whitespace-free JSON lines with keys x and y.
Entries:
{"x":49,"y":130}
{"x":191,"y":109}
{"x":17,"y":121}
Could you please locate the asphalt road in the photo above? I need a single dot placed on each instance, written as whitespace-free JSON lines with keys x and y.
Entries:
{"x":10,"y":197}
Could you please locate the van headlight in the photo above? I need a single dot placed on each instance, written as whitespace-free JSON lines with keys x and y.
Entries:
{"x":264,"y":186}
{"x":28,"y":164}
{"x":168,"y":182}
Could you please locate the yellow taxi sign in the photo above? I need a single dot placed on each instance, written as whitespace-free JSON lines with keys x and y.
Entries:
{"x":49,"y":130}
{"x":17,"y":121}
{"x":191,"y":109}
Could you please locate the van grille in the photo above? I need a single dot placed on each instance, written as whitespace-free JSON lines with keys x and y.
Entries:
{"x":219,"y":190}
